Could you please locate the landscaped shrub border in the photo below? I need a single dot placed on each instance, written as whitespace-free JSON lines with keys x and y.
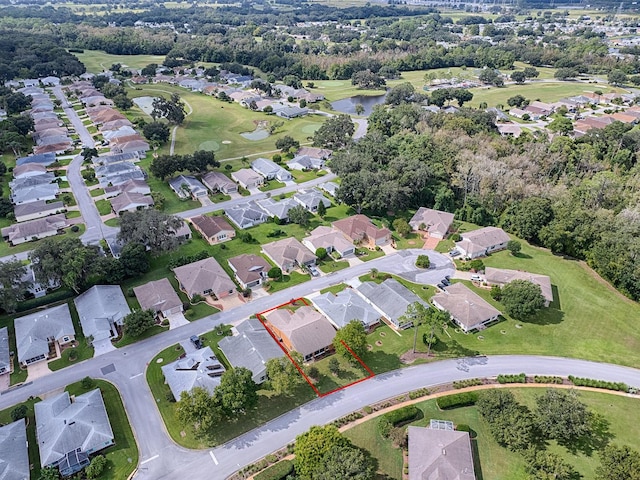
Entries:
{"x":472,"y":382}
{"x":277,"y":471}
{"x":516,"y":378}
{"x":457,"y":400}
{"x":590,"y":382}
{"x":547,"y":379}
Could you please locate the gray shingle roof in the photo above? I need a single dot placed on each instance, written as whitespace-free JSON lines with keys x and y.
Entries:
{"x":439,"y":454}
{"x":37,"y":207}
{"x":203,"y":275}
{"x":466,"y":307}
{"x":252,"y":348}
{"x":14,"y":456}
{"x":33,"y":330}
{"x":347,"y":305}
{"x":5,"y":357}
{"x":502,"y":276}
{"x":197,"y":369}
{"x":390,"y":297}
{"x":311,"y":199}
{"x":288,"y":251}
{"x":158,"y":296}
{"x":307,"y":329}
{"x":246,"y":215}
{"x":279,"y":209}
{"x":64,"y":426}
{"x":99,"y":308}
{"x":435,"y":221}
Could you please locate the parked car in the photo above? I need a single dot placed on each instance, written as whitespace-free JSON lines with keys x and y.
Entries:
{"x":313,"y":270}
{"x":454,"y":253}
{"x":476,"y":278}
{"x":196,"y":342}
{"x":440,"y":286}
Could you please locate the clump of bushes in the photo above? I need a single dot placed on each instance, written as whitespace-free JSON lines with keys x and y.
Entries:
{"x":471,"y":382}
{"x":185,"y":259}
{"x":590,"y":382}
{"x":457,"y":400}
{"x":517,"y":378}
{"x":422,"y":392}
{"x":547,"y":379}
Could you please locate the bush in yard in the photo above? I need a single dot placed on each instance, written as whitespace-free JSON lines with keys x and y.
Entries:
{"x":321,"y":253}
{"x":402,"y":415}
{"x":423,"y":261}
{"x":518,"y":378}
{"x":275,"y":273}
{"x":72,"y":354}
{"x":514,"y":247}
{"x":476,"y":265}
{"x":334,"y":366}
{"x":19,"y":412}
{"x":457,"y":400}
{"x":455,"y":237}
{"x":87,"y":383}
{"x":75,"y":228}
{"x":384,"y":427}
{"x":278,"y":471}
{"x":313,"y":372}
{"x":401,"y":226}
{"x":96,"y":467}
{"x":496,"y":292}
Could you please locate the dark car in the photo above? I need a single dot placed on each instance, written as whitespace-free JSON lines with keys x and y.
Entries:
{"x":445,"y":282}
{"x":440,"y":286}
{"x":196,"y":342}
{"x":447,"y":278}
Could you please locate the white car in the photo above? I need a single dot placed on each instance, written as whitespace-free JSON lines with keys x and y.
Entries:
{"x":476,"y":278}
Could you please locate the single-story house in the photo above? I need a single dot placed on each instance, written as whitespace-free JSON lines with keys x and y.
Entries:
{"x":14,"y":453}
{"x":130,"y":202}
{"x":467,"y":309}
{"x":440,"y":454}
{"x":32,"y":180}
{"x":204,"y":277}
{"x":213,"y":229}
{"x":289,"y":254}
{"x":311,"y":198}
{"x":24,"y":193}
{"x":69,"y":430}
{"x":290,"y":111}
{"x":246,"y":215}
{"x":270,"y":170}
{"x":249,"y":269}
{"x":119,"y":179}
{"x":361,"y":230}
{"x":306,"y":331}
{"x":5,"y":353}
{"x":483,"y":241}
{"x":330,"y":187}
{"x":34,"y":229}
{"x":219,"y":182}
{"x":29,"y":170}
{"x":158,"y":296}
{"x":436,"y":223}
{"x":251,"y":347}
{"x":501,"y":276}
{"x":345,"y":306}
{"x":114,"y":169}
{"x":315,"y":152}
{"x":138,"y":187}
{"x":188,"y":186}
{"x":509,"y":130}
{"x":391,"y":299}
{"x":277,"y":208}
{"x":102,"y":309}
{"x":329,"y":239}
{"x":38,"y":333}
{"x":196,"y":369}
{"x":38,"y":209}
{"x":305,"y":162}
{"x":36,"y":288}
{"x":247,"y":178}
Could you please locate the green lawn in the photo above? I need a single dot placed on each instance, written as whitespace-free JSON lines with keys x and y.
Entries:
{"x":123,"y":456}
{"x":365,"y":254}
{"x":96,"y":192}
{"x":104,"y":207}
{"x":335,"y":289}
{"x":6,"y":249}
{"x":329,"y":265}
{"x":349,"y":372}
{"x":496,"y":462}
{"x":128,"y":340}
{"x":301,"y":177}
{"x":83,"y":350}
{"x":413,"y":240}
{"x":113,"y":222}
{"x":293,"y":278}
{"x":271,"y":185}
{"x":97,"y":61}
{"x":73,"y":214}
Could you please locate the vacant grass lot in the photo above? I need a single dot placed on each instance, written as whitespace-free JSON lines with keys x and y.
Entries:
{"x":496,"y":462}
{"x":98,"y":61}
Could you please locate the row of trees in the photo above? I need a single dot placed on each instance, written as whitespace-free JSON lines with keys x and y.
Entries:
{"x":164,"y":166}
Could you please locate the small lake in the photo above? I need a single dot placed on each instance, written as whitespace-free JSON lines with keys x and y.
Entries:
{"x":257,"y":134}
{"x":348,"y":105}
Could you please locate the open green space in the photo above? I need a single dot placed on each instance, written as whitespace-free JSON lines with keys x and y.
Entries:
{"x":496,"y":462}
{"x":348,"y":372}
{"x":6,"y":249}
{"x":98,"y":61}
{"x":329,"y":265}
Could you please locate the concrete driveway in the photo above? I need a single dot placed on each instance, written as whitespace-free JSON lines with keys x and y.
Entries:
{"x":37,"y":370}
{"x":405,"y":267}
{"x":100,"y":347}
{"x":177,"y":320}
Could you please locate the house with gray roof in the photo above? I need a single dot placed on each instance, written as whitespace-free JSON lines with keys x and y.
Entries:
{"x":32,"y":180}
{"x":290,"y":111}
{"x":250,"y":270}
{"x":329,"y":239}
{"x":483,"y":241}
{"x":14,"y":454}
{"x":34,"y":193}
{"x":270,"y":170}
{"x":311,"y":198}
{"x":29,"y":170}
{"x":251,"y":347}
{"x":440,"y":454}
{"x":305,"y":162}
{"x":247,"y":214}
{"x":196,"y":369}
{"x":436,"y":223}
{"x":38,"y":209}
{"x":219,"y":182}
{"x":277,"y":208}
{"x":34,"y":229}
{"x":502,"y":276}
{"x":114,"y":158}
{"x":69,"y":430}
{"x":38,"y":333}
{"x":139,"y":187}
{"x":186,"y":186}
{"x":119,"y":179}
{"x":102,"y":309}
{"x":130,"y":202}
{"x":289,"y":254}
{"x":204,"y":277}
{"x":5,"y":354}
{"x":467,"y":309}
{"x":158,"y":296}
{"x":330,"y":187}
{"x":115,"y":169}
{"x":391,"y":299}
{"x":247,"y":178}
{"x":345,"y":306}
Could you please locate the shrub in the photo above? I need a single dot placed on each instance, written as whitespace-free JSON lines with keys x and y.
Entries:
{"x":422,"y":392}
{"x":423,"y":261}
{"x":547,"y":379}
{"x":19,"y":413}
{"x":472,"y":382}
{"x":402,"y":415}
{"x":518,"y":378}
{"x":278,"y":471}
{"x":384,"y":427}
{"x":96,"y":467}
{"x":457,"y":400}
{"x":455,"y":237}
{"x":313,"y":372}
{"x":75,"y":228}
{"x":590,"y":382}
{"x":476,"y":265}
{"x":72,"y":355}
{"x":87,"y":383}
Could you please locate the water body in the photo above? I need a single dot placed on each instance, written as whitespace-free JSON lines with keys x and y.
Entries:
{"x":348,"y":105}
{"x":257,"y":134}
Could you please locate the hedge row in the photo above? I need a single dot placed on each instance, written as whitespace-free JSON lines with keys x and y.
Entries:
{"x":547,"y":379}
{"x":402,"y":415}
{"x":457,"y":400}
{"x":519,"y":378}
{"x":472,"y":382}
{"x":347,"y":419}
{"x":277,"y":471}
{"x":53,"y":297}
{"x":590,"y":382}
{"x":422,"y":392}
{"x":185,"y":259}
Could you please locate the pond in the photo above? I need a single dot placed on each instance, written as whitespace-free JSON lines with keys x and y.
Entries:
{"x":257,"y":134}
{"x":348,"y":105}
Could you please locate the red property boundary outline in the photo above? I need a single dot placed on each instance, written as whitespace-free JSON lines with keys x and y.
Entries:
{"x":260,"y":317}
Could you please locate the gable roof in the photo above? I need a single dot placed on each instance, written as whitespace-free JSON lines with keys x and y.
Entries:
{"x":346,"y":306}
{"x":311,"y":198}
{"x":330,"y":187}
{"x":251,"y":348}
{"x":64,"y":426}
{"x":465,"y":306}
{"x":14,"y":456}
{"x":39,"y":206}
{"x":503,"y":276}
{"x":359,"y":226}
{"x":277,"y":208}
{"x":288,"y":251}
{"x":248,"y":267}
{"x":246,"y":214}
{"x":314,"y":152}
{"x":157,"y":295}
{"x":307,"y":329}
{"x":434,"y":220}
{"x":211,"y":226}
{"x":34,"y":228}
{"x":482,"y":239}
{"x":197,"y":369}
{"x":217,"y":181}
{"x":28,"y":168}
{"x":99,"y":308}
{"x":439,"y":454}
{"x":326,"y":237}
{"x":128,"y":200}
{"x":204,"y":275}
{"x":194,"y":185}
{"x":267,"y":167}
{"x":390,"y":297}
{"x":246,"y":176}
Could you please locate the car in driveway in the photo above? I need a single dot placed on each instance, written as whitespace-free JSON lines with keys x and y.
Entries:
{"x":196,"y":342}
{"x":454,"y":253}
{"x":440,"y":286}
{"x":313,"y":270}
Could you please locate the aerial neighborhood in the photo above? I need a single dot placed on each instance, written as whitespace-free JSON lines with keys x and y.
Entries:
{"x":301,"y":240}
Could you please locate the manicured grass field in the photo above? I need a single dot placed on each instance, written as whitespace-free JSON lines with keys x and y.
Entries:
{"x":98,"y":61}
{"x":496,"y":462}
{"x":348,"y":373}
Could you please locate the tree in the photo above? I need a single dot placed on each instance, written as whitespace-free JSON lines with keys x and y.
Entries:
{"x":322,"y":210}
{"x":618,"y":463}
{"x":511,"y":424}
{"x":275,"y":273}
{"x":237,"y":391}
{"x":403,"y":93}
{"x":13,"y":285}
{"x":95,"y":468}
{"x":490,"y":76}
{"x":514,"y":247}
{"x":543,"y":465}
{"x":521,"y":299}
{"x":283,"y":375}
{"x":49,"y":473}
{"x":517,"y":101}
{"x":88,"y":153}
{"x":287,"y":143}
{"x":199,"y":409}
{"x":354,"y":336}
{"x":519,"y":77}
{"x":16,"y":103}
{"x":345,"y":462}
{"x":366,"y":79}
{"x":419,"y":314}
{"x":19,"y":412}
{"x":151,"y":228}
{"x":122,"y":102}
{"x":173,"y":109}
{"x":134,"y":259}
{"x":321,"y":253}
{"x":531,"y":72}
{"x":565,"y":73}
{"x":562,"y":416}
{"x":401,"y":226}
{"x":461,"y":95}
{"x":334,"y":365}
{"x":617,"y":77}
{"x":311,"y":449}
{"x":561,"y":125}
{"x":157,"y":132}
{"x":138,"y":322}
{"x":299,"y":215}
{"x":423,"y":261}
{"x":149,"y":70}
{"x":359,"y":108}
{"x":335,"y":133}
